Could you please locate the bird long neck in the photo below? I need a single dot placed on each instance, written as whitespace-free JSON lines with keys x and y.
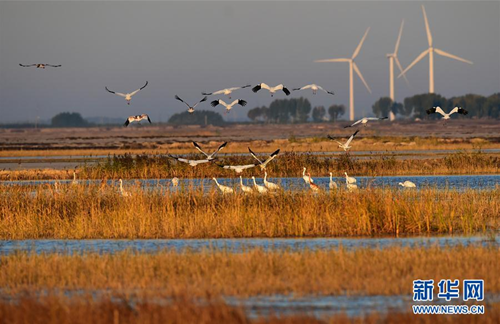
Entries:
{"x":254,"y":182}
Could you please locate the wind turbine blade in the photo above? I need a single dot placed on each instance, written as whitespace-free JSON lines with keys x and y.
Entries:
{"x":356,"y":52}
{"x":424,"y":53}
{"x":333,"y":60}
{"x":429,"y":36}
{"x":401,"y":69}
{"x":399,"y":37}
{"x":361,"y":76}
{"x":443,"y":53}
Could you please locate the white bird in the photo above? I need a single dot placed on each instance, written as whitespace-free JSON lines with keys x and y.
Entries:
{"x":227,"y":92}
{"x":190,"y":108}
{"x":348,"y":179}
{"x":240,"y":102}
{"x":314,"y":88}
{"x":260,"y":189}
{"x":74,"y":182}
{"x":408,"y":184}
{"x":39,"y":66}
{"x":192,"y":163}
{"x":345,"y":146}
{"x":175,"y":181}
{"x":351,"y":187}
{"x":212,"y":155}
{"x":136,"y":118}
{"x":244,"y":188}
{"x":263,"y":164}
{"x":272,"y":90}
{"x":270,"y":185}
{"x":332,"y":185}
{"x":306,"y":178}
{"x":238,"y":168}
{"x":224,"y":189}
{"x":127,"y":96}
{"x":365,"y":120}
{"x":438,"y":110}
{"x":122,"y":191}
{"x":314,"y":187}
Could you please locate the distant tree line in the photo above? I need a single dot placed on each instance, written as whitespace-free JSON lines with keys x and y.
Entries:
{"x":198,"y":117}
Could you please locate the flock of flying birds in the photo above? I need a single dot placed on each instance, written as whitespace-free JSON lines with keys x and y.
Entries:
{"x":262,"y":163}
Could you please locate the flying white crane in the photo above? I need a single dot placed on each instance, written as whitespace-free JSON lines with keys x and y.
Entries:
{"x":349,"y":179}
{"x":192,"y":163}
{"x":272,"y":90}
{"x":306,"y":178}
{"x":127,"y":96}
{"x":224,"y":189}
{"x":270,"y":185}
{"x":263,"y":164}
{"x":136,"y":118}
{"x":446,"y":115}
{"x":430,"y":51}
{"x":227,"y":92}
{"x":190,"y":108}
{"x":122,"y":191}
{"x":365,"y":120}
{"x":393,"y":57}
{"x":344,"y":146}
{"x":260,"y":189}
{"x":212,"y":155}
{"x":408,"y":184}
{"x":332,"y":185}
{"x":245,"y":189}
{"x":238,"y":168}
{"x":240,"y":102}
{"x":40,"y":65}
{"x":352,"y":67}
{"x":314,"y":88}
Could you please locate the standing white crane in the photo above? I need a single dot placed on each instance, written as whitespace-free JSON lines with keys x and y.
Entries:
{"x":352,"y":67}
{"x":332,"y":185}
{"x":349,"y":179}
{"x":240,"y":102}
{"x":245,"y":189}
{"x":430,"y":51}
{"x":190,"y":108}
{"x":365,"y":120}
{"x":306,"y":178}
{"x":271,"y":90}
{"x":270,"y":185}
{"x":227,"y":92}
{"x":260,"y":189}
{"x":224,"y":189}
{"x":446,"y":115}
{"x":314,"y":88}
{"x":136,"y":118}
{"x":314,"y":187}
{"x":127,"y":96}
{"x":74,"y":182}
{"x":408,"y":184}
{"x":344,"y":146}
{"x":175,"y":181}
{"x":212,"y":155}
{"x":264,"y":163}
{"x":122,"y":191}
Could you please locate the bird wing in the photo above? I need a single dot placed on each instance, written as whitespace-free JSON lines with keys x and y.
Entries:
{"x":223,"y":145}
{"x":454,"y":110}
{"x":330,"y":137}
{"x":178,"y":98}
{"x":350,"y":138}
{"x":27,"y":65}
{"x":215,"y":103}
{"x":431,"y":110}
{"x":178,"y":159}
{"x":329,"y":92}
{"x":242,"y":102}
{"x":246,"y":86}
{"x":145,"y":116}
{"x":199,"y":149}
{"x":204,"y":99}
{"x":116,"y":93}
{"x":305,"y":87}
{"x":440,"y":111}
{"x":133,"y":93}
{"x":462,"y":111}
{"x":272,"y":156}
{"x":359,"y":121}
{"x":254,"y":156}
{"x":127,"y":122}
{"x":285,"y":90}
{"x":53,"y":65}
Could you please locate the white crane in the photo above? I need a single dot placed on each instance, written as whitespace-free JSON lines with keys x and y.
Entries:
{"x":74,"y":182}
{"x":238,"y":168}
{"x":351,"y":187}
{"x":192,"y":163}
{"x":212,"y":155}
{"x":345,"y":146}
{"x":430,"y":51}
{"x":270,"y":185}
{"x":245,"y":189}
{"x":136,"y":118}
{"x":365,"y":120}
{"x":240,"y":102}
{"x":408,"y":184}
{"x":190,"y":108}
{"x":175,"y":181}
{"x":332,"y":185}
{"x":349,"y":179}
{"x":446,"y":115}
{"x":122,"y":191}
{"x":127,"y":96}
{"x":272,"y":90}
{"x":263,"y":164}
{"x":314,"y":88}
{"x":224,"y":189}
{"x":306,"y":178}
{"x":260,"y":189}
{"x":39,"y":65}
{"x":227,"y":92}
{"x":314,"y":187}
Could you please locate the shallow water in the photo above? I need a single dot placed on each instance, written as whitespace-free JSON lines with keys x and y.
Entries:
{"x":235,"y":245}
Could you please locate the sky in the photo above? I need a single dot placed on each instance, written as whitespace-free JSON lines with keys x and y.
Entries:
{"x":185,"y":48}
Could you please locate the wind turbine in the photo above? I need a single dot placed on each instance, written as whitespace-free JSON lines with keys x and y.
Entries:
{"x":352,"y":66}
{"x":431,"y":51}
{"x":393,"y":57}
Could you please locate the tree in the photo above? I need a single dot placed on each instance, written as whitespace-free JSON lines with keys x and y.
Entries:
{"x":199,"y":117}
{"x":254,"y":114}
{"x":67,"y":119}
{"x":318,"y":114}
{"x":491,"y":107}
{"x":384,"y":105}
{"x":335,"y":111}
{"x":418,"y":104}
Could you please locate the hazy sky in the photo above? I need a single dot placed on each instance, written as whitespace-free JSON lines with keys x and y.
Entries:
{"x":185,"y":48}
